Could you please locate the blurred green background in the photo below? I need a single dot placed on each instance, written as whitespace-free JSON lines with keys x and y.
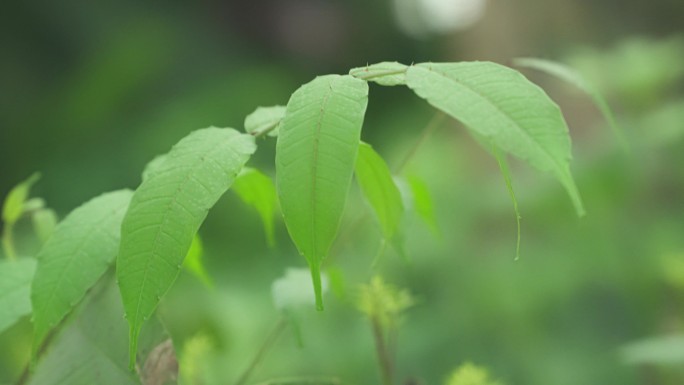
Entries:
{"x":91,"y":91}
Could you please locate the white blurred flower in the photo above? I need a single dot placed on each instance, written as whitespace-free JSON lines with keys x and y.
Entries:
{"x":422,"y":17}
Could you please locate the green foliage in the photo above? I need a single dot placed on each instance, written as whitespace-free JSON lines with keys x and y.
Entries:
{"x":194,"y":261}
{"x":293,"y":289}
{"x":385,"y":73}
{"x":504,"y":107}
{"x":14,"y":206}
{"x":384,"y":302}
{"x":422,"y":201}
{"x":81,"y":249}
{"x":44,"y":223}
{"x":660,"y":350}
{"x":15,"y":290}
{"x":315,"y":156}
{"x":377,"y":185}
{"x":165,"y":213}
{"x":265,"y":120}
{"x":257,"y":190}
{"x":470,"y":374}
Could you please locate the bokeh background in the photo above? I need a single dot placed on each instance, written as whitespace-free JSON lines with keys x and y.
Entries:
{"x":91,"y":91}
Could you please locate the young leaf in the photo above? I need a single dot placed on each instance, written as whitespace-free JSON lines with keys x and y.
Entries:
{"x":422,"y":202}
{"x":79,"y":251}
{"x":385,"y":73}
{"x":264,"y":120}
{"x":92,"y":348}
{"x":378,"y":187}
{"x":13,"y":207}
{"x":167,"y":210}
{"x":257,"y":190}
{"x":44,"y":222}
{"x":15,"y":290}
{"x":194,"y":261}
{"x":573,"y":77}
{"x":501,"y":105}
{"x":315,"y":156}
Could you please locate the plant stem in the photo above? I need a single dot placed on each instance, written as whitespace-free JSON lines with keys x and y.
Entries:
{"x":430,"y":128}
{"x":265,"y":348}
{"x":8,"y":242}
{"x":381,"y":74}
{"x":381,"y":350}
{"x":259,"y":134}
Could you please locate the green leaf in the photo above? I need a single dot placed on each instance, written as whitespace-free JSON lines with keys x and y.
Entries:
{"x":573,"y":77}
{"x":44,"y":222}
{"x":194,"y":261}
{"x":167,"y":210}
{"x":92,"y":348}
{"x":422,"y":202}
{"x":385,"y":73}
{"x":504,"y":107}
{"x":264,"y":120}
{"x":15,"y":290}
{"x":470,"y":374}
{"x":257,"y":190}
{"x":153,"y":166}
{"x":293,"y":289}
{"x":315,"y":156}
{"x":79,"y":251}
{"x":377,"y":185}
{"x":658,"y":350}
{"x":13,"y":208}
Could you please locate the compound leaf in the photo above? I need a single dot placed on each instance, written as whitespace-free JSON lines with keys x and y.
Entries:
{"x":265,"y":119}
{"x":74,"y":257}
{"x":571,"y":76}
{"x":167,"y":210}
{"x":315,"y":155}
{"x":257,"y":190}
{"x":15,"y":290}
{"x":504,"y":107}
{"x":385,"y":73}
{"x":377,"y":185}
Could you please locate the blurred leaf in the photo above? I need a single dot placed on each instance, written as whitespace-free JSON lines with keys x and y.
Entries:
{"x":501,"y":105}
{"x":422,"y":201}
{"x":194,"y":262}
{"x":265,"y":119}
{"x":294,"y":289}
{"x":44,"y":222}
{"x":33,"y":204}
{"x":167,"y":210}
{"x":337,"y":282}
{"x":315,"y":155}
{"x":661,"y":126}
{"x":377,"y":185}
{"x":257,"y":190}
{"x":384,"y":73}
{"x":384,"y":302}
{"x":469,"y":374}
{"x":13,"y":208}
{"x":193,"y":362}
{"x":92,"y":349}
{"x":81,"y":249}
{"x":660,"y":350}
{"x":15,"y":290}
{"x":573,"y":77}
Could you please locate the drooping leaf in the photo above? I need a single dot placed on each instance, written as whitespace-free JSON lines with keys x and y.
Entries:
{"x":571,"y":76}
{"x":293,"y":289}
{"x":44,"y":222}
{"x":92,"y":348}
{"x":504,"y":107}
{"x":167,"y":210}
{"x":315,"y":156}
{"x":15,"y":290}
{"x":79,"y":251}
{"x":257,"y":190}
{"x":13,"y":206}
{"x":422,"y":201}
{"x":194,"y":261}
{"x":377,"y":185}
{"x":265,"y":119}
{"x":384,"y":73}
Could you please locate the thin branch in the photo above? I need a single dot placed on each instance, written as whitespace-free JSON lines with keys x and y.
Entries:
{"x":265,"y":348}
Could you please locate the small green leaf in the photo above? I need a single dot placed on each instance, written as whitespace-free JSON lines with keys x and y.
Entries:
{"x":315,"y":156}
{"x":44,"y":222}
{"x":79,"y":251}
{"x":504,"y":107}
{"x":257,"y":190}
{"x":33,"y":204}
{"x":13,"y":208}
{"x":15,"y":290}
{"x":167,"y":210}
{"x":422,"y":202}
{"x":469,"y":374}
{"x":571,"y":76}
{"x":264,"y":120}
{"x":385,"y":73}
{"x":377,"y":185}
{"x":194,"y":262}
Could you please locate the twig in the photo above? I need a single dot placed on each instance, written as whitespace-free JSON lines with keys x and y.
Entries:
{"x":265,"y":347}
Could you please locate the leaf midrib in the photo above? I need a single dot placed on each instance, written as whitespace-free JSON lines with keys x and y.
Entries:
{"x":314,"y":173}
